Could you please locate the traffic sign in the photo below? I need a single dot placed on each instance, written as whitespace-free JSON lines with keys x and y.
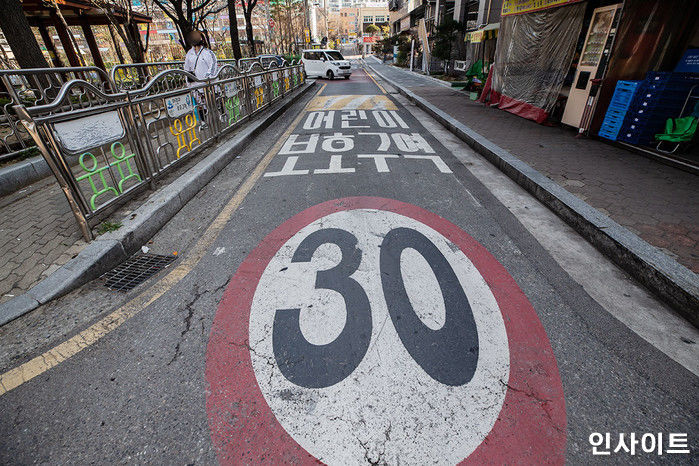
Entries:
{"x":371,"y":329}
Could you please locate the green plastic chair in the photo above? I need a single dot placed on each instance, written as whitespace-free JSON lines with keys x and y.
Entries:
{"x":681,"y":130}
{"x":677,"y":132}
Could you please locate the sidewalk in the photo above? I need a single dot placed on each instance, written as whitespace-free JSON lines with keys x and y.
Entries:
{"x":39,"y":234}
{"x":657,"y":202}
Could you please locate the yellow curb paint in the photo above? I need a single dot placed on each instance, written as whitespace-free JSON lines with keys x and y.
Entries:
{"x":13,"y":378}
{"x":375,"y":81}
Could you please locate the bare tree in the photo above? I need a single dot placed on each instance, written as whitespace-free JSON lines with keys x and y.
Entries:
{"x":189,"y":15}
{"x":248,"y":6}
{"x":233,"y":26}
{"x":289,"y":18}
{"x":115,"y":43}
{"x":127,"y":29}
{"x":79,"y":55}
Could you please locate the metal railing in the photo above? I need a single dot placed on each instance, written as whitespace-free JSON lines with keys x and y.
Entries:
{"x":104,"y":147}
{"x":137,"y":75}
{"x":31,"y":87}
{"x":39,"y":86}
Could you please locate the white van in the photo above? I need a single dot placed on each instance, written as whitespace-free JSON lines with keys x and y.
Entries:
{"x":326,"y":63}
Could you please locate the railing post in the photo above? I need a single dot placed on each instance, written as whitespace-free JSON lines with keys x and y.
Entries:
{"x":280,"y":80}
{"x":268,"y":84}
{"x":213,"y":111}
{"x":134,"y":133}
{"x":248,"y":94}
{"x":142,"y":128}
{"x":30,"y":125}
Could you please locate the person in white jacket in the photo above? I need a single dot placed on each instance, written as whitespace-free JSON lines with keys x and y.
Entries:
{"x":201,"y":62}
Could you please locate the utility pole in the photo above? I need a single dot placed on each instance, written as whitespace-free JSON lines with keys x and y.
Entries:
{"x":412,"y":50}
{"x":360,"y":29}
{"x":327,"y":24}
{"x":314,"y":21}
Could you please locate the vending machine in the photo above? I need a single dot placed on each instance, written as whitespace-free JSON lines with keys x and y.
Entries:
{"x":597,"y":44}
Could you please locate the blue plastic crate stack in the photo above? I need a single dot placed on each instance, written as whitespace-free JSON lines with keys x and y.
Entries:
{"x":659,"y":97}
{"x":616,"y":112}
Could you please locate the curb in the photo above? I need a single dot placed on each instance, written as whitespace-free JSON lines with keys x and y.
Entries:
{"x":664,"y":276}
{"x":21,"y":174}
{"x":112,"y":248}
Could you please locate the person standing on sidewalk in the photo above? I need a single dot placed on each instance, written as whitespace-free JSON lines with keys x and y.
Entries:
{"x":201,"y":62}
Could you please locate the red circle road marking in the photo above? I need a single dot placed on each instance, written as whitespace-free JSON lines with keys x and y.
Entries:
{"x":530,"y":427}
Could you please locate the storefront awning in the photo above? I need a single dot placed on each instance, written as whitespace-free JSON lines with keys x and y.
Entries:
{"x":488,"y":32}
{"x":515,"y":7}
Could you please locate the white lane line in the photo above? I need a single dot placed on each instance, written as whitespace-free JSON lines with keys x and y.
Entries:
{"x":437,"y":160}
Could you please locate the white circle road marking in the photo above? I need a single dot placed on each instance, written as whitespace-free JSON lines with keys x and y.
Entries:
{"x":389,"y":406}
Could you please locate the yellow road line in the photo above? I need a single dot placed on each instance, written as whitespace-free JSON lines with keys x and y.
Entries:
{"x":56,"y":355}
{"x":375,"y":81}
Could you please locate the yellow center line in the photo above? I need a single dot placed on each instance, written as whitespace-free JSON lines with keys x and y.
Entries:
{"x":13,"y":378}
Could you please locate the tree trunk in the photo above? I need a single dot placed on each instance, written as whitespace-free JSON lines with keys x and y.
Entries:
{"x":233,"y":23}
{"x":133,"y":44}
{"x":185,"y":28}
{"x":292,"y":31}
{"x":20,"y":37}
{"x":248,"y":30}
{"x":74,"y":41}
{"x":115,"y":42}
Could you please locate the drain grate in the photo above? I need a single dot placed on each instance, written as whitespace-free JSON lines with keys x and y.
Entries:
{"x":135,"y":271}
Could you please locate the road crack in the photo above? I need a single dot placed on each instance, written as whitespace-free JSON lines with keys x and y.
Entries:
{"x":544,"y":402}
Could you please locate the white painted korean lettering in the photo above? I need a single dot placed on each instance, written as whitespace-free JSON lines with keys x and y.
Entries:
{"x":306,"y":147}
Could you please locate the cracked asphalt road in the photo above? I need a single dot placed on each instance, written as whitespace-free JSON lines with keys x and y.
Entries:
{"x":194,"y":377}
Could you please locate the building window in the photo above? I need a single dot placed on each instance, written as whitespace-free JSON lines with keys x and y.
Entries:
{"x":379,"y":19}
{"x":368,"y":19}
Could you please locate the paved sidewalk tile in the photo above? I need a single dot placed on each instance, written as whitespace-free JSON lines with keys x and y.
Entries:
{"x":35,"y":236}
{"x":655,"y":201}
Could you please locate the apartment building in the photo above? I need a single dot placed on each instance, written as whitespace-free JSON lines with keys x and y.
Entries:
{"x":406,"y":14}
{"x":348,"y":24}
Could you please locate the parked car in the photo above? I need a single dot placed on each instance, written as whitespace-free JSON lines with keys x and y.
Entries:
{"x":267,"y":59}
{"x":326,"y":63}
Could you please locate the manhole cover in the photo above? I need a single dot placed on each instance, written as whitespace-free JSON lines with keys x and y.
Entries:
{"x":135,"y":271}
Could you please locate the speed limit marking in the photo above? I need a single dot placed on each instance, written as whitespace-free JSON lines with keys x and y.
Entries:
{"x":367,"y":329}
